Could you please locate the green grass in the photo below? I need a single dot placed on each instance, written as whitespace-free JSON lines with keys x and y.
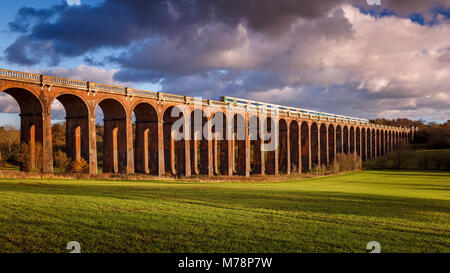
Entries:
{"x":406,"y":211}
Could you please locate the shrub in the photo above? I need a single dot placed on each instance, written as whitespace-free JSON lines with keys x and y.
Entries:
{"x":61,"y":161}
{"x":346,"y":163}
{"x":79,"y":166}
{"x":2,"y":159}
{"x":22,"y":156}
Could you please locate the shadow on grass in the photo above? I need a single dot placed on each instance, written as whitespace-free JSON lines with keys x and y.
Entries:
{"x":261,"y":200}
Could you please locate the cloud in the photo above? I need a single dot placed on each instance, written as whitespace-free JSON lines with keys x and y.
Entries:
{"x":324,"y":54}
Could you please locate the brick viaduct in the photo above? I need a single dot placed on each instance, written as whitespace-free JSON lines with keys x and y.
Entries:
{"x":305,"y":138}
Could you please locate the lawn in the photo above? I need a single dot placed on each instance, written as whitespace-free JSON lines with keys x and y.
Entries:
{"x":406,"y":211}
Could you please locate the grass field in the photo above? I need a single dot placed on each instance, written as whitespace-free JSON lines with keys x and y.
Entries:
{"x":406,"y":211}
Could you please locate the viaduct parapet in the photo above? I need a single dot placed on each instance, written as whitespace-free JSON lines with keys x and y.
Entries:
{"x":147,"y":144}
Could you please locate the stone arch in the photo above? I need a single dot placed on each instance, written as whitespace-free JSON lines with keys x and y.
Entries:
{"x":331,"y":143}
{"x":323,"y":135}
{"x":115,"y":157}
{"x":31,"y":124}
{"x":146,"y":139}
{"x":283,"y":146}
{"x":315,"y":156}
{"x":295,"y":162}
{"x":238,"y":144}
{"x":305,"y":141}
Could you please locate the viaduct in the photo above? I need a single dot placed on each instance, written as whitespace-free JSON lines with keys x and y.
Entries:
{"x":146,"y":144}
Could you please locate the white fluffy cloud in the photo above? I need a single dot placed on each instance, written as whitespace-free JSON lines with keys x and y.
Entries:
{"x":388,"y":66}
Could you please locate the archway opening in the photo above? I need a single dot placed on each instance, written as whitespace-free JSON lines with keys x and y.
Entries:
{"x":373,"y":147}
{"x":282,"y":146}
{"x":21,"y":138}
{"x":352,"y":140}
{"x":346,"y":140}
{"x":305,"y":146}
{"x":114,"y":137}
{"x":145,"y":139}
{"x":220,"y":143}
{"x":294,"y":147}
{"x":378,"y":143}
{"x":331,"y":143}
{"x":358,"y":142}
{"x":339,"y":142}
{"x":70,"y":137}
{"x":199,"y":143}
{"x":363,"y":145}
{"x":270,"y":146}
{"x":315,"y":145}
{"x":323,"y":145}
{"x":239,"y":144}
{"x":255,"y":145}
{"x":174,"y":141}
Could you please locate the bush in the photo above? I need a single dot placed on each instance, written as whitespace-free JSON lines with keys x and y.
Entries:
{"x":61,"y":161}
{"x":2,"y":159}
{"x":409,"y":159}
{"x":346,"y":163}
{"x":79,"y":166}
{"x":22,"y":156}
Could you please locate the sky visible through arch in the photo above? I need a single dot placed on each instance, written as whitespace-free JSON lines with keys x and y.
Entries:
{"x":338,"y":56}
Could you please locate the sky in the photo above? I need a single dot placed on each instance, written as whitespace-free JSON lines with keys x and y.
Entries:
{"x":339,"y":56}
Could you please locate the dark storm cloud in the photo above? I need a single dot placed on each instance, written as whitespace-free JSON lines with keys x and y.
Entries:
{"x":315,"y":53}
{"x":67,"y":31}
{"x":75,"y":30}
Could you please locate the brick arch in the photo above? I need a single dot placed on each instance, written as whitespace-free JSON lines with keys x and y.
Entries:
{"x":363,"y":144}
{"x":256,"y":155}
{"x":146,"y":156}
{"x":331,"y":143}
{"x":352,"y":140}
{"x":221,"y":129}
{"x":315,"y":155}
{"x":199,"y":148}
{"x":77,"y":125}
{"x":283,"y":146}
{"x":176,"y":149}
{"x":339,"y":139}
{"x":115,"y":146}
{"x":31,"y":121}
{"x":358,"y":141}
{"x":323,"y":145}
{"x":271,"y":156}
{"x":346,"y":139}
{"x":294,"y":146}
{"x":239,"y":151}
{"x":306,"y":145}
